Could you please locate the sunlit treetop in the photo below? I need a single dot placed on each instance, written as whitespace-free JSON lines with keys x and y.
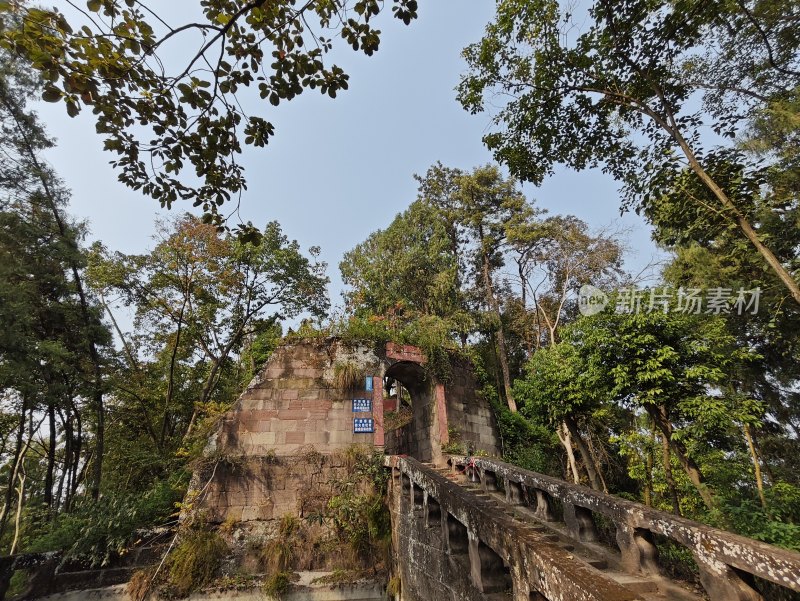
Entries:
{"x":166,"y":111}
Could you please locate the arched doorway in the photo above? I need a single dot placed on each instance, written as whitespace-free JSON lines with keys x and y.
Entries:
{"x":410,"y":392}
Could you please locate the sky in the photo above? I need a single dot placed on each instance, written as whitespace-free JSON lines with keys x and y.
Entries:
{"x":338,"y":169}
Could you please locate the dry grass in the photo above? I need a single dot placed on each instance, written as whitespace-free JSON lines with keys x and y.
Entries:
{"x":278,"y":584}
{"x":140,"y":584}
{"x":347,"y":376}
{"x":193,"y":563}
{"x":288,"y":548}
{"x":342,"y":577}
{"x":394,"y":586}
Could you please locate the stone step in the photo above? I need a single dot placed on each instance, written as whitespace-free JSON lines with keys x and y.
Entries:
{"x":597,"y":563}
{"x":637,"y":584}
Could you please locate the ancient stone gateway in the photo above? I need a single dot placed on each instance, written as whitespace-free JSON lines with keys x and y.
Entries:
{"x":295,"y":406}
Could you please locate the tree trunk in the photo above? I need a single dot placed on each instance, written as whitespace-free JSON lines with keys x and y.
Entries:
{"x":588,"y":463}
{"x":598,"y":465}
{"x":756,"y":465}
{"x":491,"y":300}
{"x":20,"y":500}
{"x":566,"y":441}
{"x":660,"y":417}
{"x":171,"y":380}
{"x":51,"y":458}
{"x":12,"y":476}
{"x":649,"y":461}
{"x":671,"y":487}
{"x":76,"y":459}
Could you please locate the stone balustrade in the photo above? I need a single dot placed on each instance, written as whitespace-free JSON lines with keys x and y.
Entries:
{"x":496,"y":554}
{"x":727,"y":562}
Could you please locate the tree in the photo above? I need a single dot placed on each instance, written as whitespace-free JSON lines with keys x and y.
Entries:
{"x":409,"y":270}
{"x":671,"y":365}
{"x":487,"y":204}
{"x":199,"y":296}
{"x":561,"y":388}
{"x":554,"y":258}
{"x":160,"y":115}
{"x":36,"y":199}
{"x":622,"y":94}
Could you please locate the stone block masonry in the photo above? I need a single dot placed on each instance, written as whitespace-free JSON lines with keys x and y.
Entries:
{"x":293,"y":404}
{"x":293,"y":410}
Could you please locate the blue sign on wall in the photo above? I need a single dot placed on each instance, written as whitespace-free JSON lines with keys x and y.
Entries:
{"x":362,"y":405}
{"x":363,"y":425}
{"x":368,"y":385}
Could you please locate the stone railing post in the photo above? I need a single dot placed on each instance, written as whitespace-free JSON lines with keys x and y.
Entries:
{"x":639,"y":553}
{"x":580,"y":523}
{"x":515,"y":494}
{"x":544,"y":510}
{"x":723,"y":583}
{"x":475,"y":562}
{"x":488,"y":481}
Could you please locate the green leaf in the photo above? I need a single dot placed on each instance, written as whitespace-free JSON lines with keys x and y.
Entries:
{"x":51,"y":94}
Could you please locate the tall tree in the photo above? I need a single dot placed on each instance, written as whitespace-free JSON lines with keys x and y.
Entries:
{"x":554,"y":258}
{"x":487,"y":204}
{"x":27,"y":178}
{"x":623,"y":93}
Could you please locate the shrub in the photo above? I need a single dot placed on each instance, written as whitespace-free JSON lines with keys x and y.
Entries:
{"x":193,"y":563}
{"x":277,"y":585}
{"x":95,"y":531}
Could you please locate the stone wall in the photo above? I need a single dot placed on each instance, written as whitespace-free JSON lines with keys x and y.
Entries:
{"x":468,"y":414}
{"x":293,"y":408}
{"x":268,"y":488}
{"x":292,"y":403}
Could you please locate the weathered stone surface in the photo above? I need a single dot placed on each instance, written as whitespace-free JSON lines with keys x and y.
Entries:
{"x":292,"y":403}
{"x":479,"y":551}
{"x":726,"y":561}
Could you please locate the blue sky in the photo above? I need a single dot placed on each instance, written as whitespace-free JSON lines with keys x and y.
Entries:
{"x":339,"y":169}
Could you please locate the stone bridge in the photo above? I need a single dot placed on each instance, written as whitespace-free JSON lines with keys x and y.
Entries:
{"x":483,"y":529}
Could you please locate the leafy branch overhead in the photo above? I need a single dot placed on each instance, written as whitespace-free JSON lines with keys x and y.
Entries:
{"x":177,"y":126}
{"x":639,"y":88}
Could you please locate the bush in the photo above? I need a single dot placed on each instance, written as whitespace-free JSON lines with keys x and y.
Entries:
{"x":277,"y":585}
{"x":97,"y":531}
{"x":530,"y":446}
{"x":194,"y":562}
